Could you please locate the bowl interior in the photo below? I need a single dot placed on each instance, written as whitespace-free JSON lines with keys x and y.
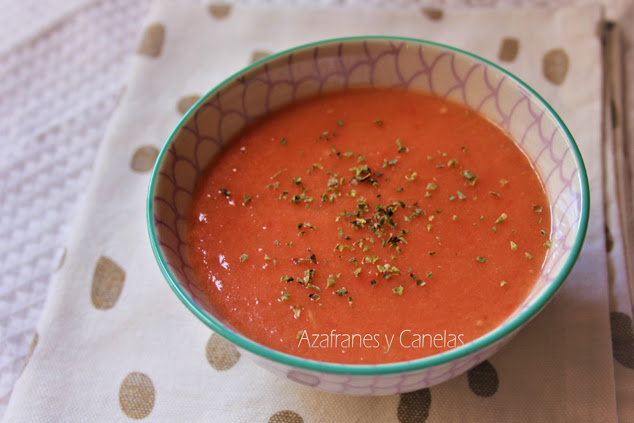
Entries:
{"x":361,"y":62}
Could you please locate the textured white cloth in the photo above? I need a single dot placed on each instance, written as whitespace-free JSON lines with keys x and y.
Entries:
{"x":24,"y":19}
{"x":57,"y":92}
{"x":83,"y":355}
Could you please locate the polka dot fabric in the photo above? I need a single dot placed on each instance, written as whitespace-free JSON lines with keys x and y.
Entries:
{"x":129,"y":350}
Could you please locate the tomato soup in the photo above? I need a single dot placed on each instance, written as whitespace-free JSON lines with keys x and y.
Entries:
{"x":369,"y":226}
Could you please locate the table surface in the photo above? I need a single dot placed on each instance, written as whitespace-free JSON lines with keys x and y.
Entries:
{"x":72,"y":56}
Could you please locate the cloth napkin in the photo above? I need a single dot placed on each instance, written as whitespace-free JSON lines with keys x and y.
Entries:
{"x":114,"y":343}
{"x":619,"y":228}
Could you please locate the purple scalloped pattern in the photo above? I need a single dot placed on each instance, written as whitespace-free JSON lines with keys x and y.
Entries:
{"x":381,"y":63}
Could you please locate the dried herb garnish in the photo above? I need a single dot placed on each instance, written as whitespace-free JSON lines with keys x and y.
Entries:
{"x":301,"y":197}
{"x":387,"y":163}
{"x":297,"y":310}
{"x":419,"y":282}
{"x":401,"y":149}
{"x":305,"y":225}
{"x":311,"y":258}
{"x":481,"y":259}
{"x":332,"y":279}
{"x":278,"y":173}
{"x":361,"y":172}
{"x":387,"y":270}
{"x":342,"y":292}
{"x":285,"y":296}
{"x":502,"y":218}
{"x":243,"y":258}
{"x":224,"y":192}
{"x":470,"y":177}
{"x":307,"y":279}
{"x":398,"y":290}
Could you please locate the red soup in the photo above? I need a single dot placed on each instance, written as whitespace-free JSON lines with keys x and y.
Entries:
{"x":369,"y":226}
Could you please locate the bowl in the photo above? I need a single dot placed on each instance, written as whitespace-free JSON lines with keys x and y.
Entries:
{"x":337,"y":64}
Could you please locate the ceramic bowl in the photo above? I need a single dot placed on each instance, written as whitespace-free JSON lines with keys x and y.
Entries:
{"x":338,"y":64}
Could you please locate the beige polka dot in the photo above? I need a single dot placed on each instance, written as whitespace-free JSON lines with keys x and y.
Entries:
{"x":136,"y":395}
{"x":413,"y":407}
{"x":30,"y":353}
{"x":483,"y":379}
{"x":259,"y":55}
{"x":221,"y":354}
{"x":622,"y":338}
{"x":152,"y":41}
{"x":508,"y":49}
{"x":433,"y":14}
{"x":286,"y":416}
{"x":555,"y":66}
{"x":220,"y":11}
{"x":143,"y":158}
{"x":107,"y":283}
{"x":185,"y":103}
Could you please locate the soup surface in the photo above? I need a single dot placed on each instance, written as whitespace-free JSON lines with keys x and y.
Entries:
{"x":369,"y":226}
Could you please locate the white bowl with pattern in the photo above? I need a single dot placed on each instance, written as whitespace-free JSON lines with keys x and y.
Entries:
{"x":338,"y":64}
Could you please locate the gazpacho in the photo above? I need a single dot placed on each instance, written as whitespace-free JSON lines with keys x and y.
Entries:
{"x":368,"y":226}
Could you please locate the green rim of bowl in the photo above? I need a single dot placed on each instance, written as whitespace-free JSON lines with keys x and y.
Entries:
{"x":396,"y":367}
